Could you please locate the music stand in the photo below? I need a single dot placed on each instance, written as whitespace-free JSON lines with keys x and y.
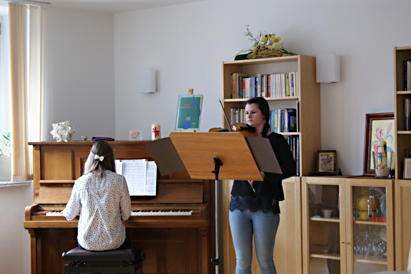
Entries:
{"x":227,"y":155}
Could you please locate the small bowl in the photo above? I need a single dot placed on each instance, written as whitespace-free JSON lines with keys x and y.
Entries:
{"x":382,"y":173}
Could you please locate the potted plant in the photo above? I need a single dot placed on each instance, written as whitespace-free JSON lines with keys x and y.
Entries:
{"x":5,"y":159}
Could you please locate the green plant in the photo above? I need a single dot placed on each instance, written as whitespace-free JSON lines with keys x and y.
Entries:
{"x":5,"y":146}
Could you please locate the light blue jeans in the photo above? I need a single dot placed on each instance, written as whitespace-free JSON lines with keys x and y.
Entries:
{"x":264,"y":227}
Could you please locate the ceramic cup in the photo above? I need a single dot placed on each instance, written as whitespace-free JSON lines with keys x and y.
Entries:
{"x":327,"y":213}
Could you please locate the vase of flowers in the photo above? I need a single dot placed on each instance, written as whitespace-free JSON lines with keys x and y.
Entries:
{"x":264,"y":46}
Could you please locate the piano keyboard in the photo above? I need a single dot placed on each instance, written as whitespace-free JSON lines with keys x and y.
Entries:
{"x":143,"y":213}
{"x":161,"y":213}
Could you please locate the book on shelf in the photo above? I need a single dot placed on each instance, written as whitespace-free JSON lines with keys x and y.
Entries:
{"x":264,"y":85}
{"x":258,"y":85}
{"x":407,"y":114}
{"x":140,"y":174}
{"x":297,"y":156}
{"x":407,"y":74}
{"x":234,"y":115}
{"x":242,"y":116}
{"x":253,"y":92}
{"x":273,"y":120}
{"x":293,"y":142}
{"x":290,"y":124}
{"x":297,"y":117}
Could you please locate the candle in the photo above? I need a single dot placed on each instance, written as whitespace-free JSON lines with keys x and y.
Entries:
{"x":155,"y":131}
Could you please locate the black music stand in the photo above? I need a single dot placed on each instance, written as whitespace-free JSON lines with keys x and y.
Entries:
{"x":227,"y":155}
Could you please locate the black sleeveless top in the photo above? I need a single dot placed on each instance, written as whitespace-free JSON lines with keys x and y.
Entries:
{"x":268,"y":193}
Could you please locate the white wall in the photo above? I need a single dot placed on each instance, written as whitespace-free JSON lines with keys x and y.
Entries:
{"x":186,"y":45}
{"x":80,"y":69}
{"x":14,"y":239}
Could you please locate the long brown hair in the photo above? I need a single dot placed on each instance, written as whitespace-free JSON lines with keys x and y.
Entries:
{"x":265,"y":109}
{"x":94,"y":164}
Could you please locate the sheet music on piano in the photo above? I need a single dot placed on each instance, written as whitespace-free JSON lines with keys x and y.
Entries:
{"x":140,"y":174}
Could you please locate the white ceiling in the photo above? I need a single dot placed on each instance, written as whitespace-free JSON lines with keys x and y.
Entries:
{"x":114,"y":6}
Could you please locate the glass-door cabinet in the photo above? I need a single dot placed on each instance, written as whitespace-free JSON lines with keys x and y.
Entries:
{"x":323,"y":225}
{"x":370,"y":225}
{"x":347,"y":225}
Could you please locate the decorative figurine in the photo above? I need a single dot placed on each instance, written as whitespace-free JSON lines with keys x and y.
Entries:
{"x":63,"y":131}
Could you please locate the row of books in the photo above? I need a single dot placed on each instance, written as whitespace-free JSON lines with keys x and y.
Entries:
{"x":263,"y":85}
{"x":407,"y":153}
{"x":238,"y":115}
{"x":284,"y":120}
{"x":407,"y":75}
{"x":281,"y":120}
{"x":294,"y":143}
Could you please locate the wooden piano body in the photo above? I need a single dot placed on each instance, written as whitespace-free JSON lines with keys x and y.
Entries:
{"x":173,"y":244}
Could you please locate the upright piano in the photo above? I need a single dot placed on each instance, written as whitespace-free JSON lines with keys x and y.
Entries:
{"x":174,"y":228}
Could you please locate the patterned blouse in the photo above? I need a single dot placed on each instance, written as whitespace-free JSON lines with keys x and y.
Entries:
{"x":104,"y":202}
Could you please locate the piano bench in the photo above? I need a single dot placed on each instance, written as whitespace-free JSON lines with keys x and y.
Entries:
{"x":128,"y":260}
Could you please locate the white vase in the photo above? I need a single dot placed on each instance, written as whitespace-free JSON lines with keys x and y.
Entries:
{"x":5,"y":168}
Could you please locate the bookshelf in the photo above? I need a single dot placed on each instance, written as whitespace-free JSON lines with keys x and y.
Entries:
{"x":306,"y":99}
{"x":402,"y":185}
{"x":402,"y":136}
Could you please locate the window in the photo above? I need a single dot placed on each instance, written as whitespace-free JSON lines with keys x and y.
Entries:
{"x":5,"y":114}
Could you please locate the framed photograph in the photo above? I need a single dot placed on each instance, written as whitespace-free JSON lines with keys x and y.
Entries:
{"x":407,"y":168}
{"x":326,"y":161}
{"x":189,"y":111}
{"x":378,"y":127}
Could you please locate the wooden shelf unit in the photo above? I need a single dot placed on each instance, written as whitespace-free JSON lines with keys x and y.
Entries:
{"x":402,"y":137}
{"x":402,"y":186}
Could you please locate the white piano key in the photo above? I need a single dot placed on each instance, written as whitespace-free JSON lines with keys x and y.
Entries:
{"x":54,"y":213}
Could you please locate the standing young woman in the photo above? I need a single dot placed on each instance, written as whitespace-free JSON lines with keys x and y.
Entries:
{"x":254,"y":208}
{"x":103,"y":197}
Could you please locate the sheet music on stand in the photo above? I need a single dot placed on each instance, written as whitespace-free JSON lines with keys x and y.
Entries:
{"x":140,"y":174}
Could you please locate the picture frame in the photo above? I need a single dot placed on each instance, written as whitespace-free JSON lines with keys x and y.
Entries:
{"x":189,"y":111}
{"x":407,"y":168}
{"x":326,"y":161}
{"x":378,"y":127}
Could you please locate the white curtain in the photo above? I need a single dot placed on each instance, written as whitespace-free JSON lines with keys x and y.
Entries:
{"x":27,"y":66}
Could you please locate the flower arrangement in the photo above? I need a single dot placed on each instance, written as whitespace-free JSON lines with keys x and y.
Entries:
{"x":264,"y":45}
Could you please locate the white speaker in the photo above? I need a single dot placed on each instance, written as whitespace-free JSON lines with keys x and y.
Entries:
{"x":328,"y":68}
{"x":146,"y":81}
